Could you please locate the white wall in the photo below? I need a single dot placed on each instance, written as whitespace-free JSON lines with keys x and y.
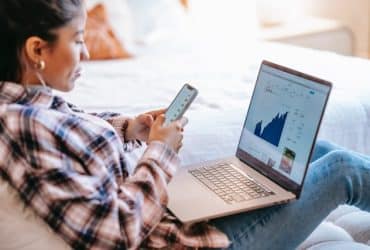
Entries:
{"x":355,"y":14}
{"x":233,"y":20}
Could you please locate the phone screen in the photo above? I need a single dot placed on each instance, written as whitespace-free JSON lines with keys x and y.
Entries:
{"x":181,"y":102}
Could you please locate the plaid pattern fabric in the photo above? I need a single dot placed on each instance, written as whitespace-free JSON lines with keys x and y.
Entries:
{"x":69,"y":167}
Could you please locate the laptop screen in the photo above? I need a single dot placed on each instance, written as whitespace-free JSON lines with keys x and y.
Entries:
{"x":282,"y":123}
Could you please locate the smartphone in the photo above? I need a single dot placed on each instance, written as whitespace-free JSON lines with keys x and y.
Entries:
{"x":181,"y":103}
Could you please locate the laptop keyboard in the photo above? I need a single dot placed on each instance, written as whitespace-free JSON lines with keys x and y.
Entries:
{"x":229,"y":184}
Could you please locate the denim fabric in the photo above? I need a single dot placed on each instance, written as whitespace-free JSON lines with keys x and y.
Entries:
{"x":336,"y":176}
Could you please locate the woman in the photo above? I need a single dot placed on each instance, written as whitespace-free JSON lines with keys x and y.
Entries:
{"x":69,"y":166}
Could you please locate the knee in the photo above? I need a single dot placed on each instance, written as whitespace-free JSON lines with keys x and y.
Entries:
{"x":322,"y":148}
{"x":339,"y":156}
{"x":336,"y":165}
{"x":323,"y":145}
{"x":342,"y":160}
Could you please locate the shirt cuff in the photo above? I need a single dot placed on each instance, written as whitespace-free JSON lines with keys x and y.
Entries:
{"x":165,"y":157}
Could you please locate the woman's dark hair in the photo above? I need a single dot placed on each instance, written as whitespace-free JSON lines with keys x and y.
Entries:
{"x":21,"y":19}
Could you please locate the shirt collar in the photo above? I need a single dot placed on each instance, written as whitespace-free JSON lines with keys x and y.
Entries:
{"x":17,"y":93}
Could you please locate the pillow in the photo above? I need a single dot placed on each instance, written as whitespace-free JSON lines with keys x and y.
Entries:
{"x":100,"y":38}
{"x":21,"y":228}
{"x":185,"y":3}
{"x":119,"y":17}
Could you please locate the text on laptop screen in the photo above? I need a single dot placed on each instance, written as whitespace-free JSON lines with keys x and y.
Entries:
{"x":282,"y":120}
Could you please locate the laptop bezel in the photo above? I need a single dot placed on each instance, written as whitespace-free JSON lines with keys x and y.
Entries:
{"x":262,"y":168}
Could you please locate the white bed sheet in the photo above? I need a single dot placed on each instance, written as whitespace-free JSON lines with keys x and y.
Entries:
{"x":225,"y":78}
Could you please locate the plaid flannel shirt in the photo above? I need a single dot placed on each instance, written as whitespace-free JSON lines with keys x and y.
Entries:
{"x":70,"y":168}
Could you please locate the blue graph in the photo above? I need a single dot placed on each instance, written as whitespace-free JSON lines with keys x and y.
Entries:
{"x":272,"y":131}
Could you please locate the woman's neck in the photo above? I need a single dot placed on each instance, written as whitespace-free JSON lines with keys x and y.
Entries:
{"x":30,"y":79}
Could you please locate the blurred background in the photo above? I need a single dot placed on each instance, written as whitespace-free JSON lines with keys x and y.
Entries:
{"x":340,"y":26}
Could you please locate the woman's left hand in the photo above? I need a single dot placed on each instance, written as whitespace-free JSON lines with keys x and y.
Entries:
{"x":139,"y":127}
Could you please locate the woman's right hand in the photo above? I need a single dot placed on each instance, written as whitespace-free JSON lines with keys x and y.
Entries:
{"x":171,"y":134}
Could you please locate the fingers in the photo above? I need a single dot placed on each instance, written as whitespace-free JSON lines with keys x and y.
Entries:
{"x":160,"y":119}
{"x":149,"y":120}
{"x":180,"y":124}
{"x":145,"y":119}
{"x":183,"y":121}
{"x":171,"y":134}
{"x":179,"y":128}
{"x":156,"y":113}
{"x":179,"y":146}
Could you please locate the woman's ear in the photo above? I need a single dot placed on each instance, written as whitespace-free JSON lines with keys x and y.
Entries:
{"x":34,"y":49}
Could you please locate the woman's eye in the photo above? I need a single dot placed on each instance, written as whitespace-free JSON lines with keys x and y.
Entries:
{"x":80,"y":42}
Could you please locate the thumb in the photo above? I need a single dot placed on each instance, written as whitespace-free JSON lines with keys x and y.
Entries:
{"x":160,"y":119}
{"x":146,"y":119}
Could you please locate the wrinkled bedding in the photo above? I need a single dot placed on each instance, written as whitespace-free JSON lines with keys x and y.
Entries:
{"x":225,"y":81}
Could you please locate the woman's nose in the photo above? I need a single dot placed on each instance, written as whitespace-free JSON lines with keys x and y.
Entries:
{"x":85,"y":55}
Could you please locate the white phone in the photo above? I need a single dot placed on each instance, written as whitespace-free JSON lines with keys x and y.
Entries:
{"x":181,"y":103}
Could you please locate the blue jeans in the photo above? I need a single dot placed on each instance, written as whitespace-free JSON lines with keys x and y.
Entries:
{"x":336,"y":176}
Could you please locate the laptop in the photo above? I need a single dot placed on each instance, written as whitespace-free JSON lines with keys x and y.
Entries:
{"x":272,"y":156}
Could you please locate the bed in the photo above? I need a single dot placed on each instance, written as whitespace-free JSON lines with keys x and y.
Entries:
{"x":225,"y":83}
{"x":225,"y":79}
